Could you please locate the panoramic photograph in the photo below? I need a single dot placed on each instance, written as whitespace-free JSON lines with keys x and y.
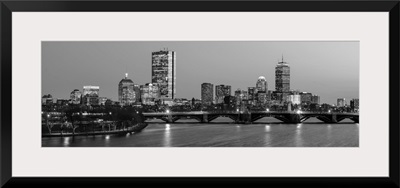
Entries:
{"x":200,"y":93}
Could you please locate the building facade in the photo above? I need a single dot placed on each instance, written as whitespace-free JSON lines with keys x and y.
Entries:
{"x":90,"y":95}
{"x":315,"y":99}
{"x":220,"y":92}
{"x":261,"y":85}
{"x":241,"y":95}
{"x":47,"y":99}
{"x":126,"y":92}
{"x":261,"y":98}
{"x":282,"y":77}
{"x":150,"y":93}
{"x":252,"y":93}
{"x":341,"y":102}
{"x":163,"y":73}
{"x":294,"y":99}
{"x":306,"y":98}
{"x":207,"y":93}
{"x":76,"y":96}
{"x":355,"y":105}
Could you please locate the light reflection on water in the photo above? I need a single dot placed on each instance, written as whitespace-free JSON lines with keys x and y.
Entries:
{"x":298,"y":138}
{"x":167,"y":136}
{"x":222,"y":135}
{"x":267,"y":128}
{"x":66,"y":141}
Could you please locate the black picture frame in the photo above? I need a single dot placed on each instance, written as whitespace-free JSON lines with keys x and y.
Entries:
{"x":7,"y":7}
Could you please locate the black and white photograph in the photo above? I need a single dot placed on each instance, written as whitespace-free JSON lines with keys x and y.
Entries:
{"x":200,"y":93}
{"x":243,"y":93}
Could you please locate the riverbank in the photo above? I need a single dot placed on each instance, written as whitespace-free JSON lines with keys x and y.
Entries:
{"x":86,"y":134}
{"x":136,"y":128}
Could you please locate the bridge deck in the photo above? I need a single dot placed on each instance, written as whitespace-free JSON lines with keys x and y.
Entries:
{"x":235,"y":113}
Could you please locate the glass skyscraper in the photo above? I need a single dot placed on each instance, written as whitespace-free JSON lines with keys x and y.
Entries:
{"x":163,"y":72}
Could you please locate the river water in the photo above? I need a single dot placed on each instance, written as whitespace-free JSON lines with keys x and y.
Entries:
{"x":266,"y":132}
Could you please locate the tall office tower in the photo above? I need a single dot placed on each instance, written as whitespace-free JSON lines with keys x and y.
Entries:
{"x":90,"y":95}
{"x":75,"y":96}
{"x":220,"y":92}
{"x":282,"y":77}
{"x":341,"y":102}
{"x":207,"y":92}
{"x":126,"y":92}
{"x":163,"y":72}
{"x":261,"y":85}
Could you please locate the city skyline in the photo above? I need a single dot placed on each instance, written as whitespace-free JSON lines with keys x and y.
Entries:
{"x":54,"y":53}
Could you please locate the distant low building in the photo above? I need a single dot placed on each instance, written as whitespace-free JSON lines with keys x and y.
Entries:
{"x":62,"y":102}
{"x":355,"y":105}
{"x":90,"y":95}
{"x":306,"y":98}
{"x":149,"y":93}
{"x":102,"y":100}
{"x":341,"y":102}
{"x":47,"y":99}
{"x":315,"y":99}
{"x":294,"y":99}
{"x":76,"y":96}
{"x":220,"y":92}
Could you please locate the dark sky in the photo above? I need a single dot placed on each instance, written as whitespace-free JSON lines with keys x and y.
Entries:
{"x":328,"y":69}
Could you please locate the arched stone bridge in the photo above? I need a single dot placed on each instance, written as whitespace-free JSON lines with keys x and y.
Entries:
{"x":287,"y":117}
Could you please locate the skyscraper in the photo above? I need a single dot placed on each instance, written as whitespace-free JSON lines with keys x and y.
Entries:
{"x":163,"y":72}
{"x":207,"y":92}
{"x":262,"y":85}
{"x":282,"y":77}
{"x":126,"y":92}
{"x":220,"y":92}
